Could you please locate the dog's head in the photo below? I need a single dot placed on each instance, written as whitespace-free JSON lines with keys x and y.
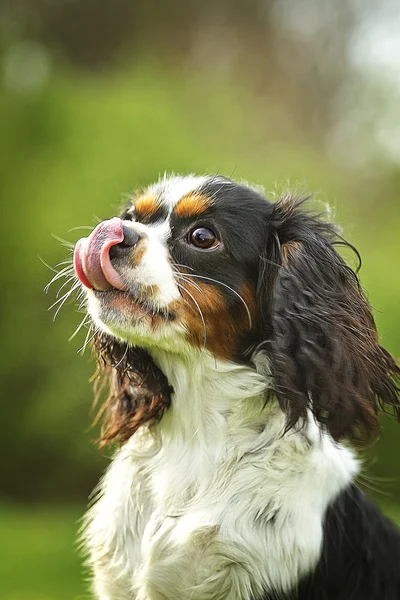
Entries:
{"x":203,"y":264}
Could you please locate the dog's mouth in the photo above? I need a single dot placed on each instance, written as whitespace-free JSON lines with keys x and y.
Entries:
{"x":137,"y":308}
{"x":95,"y":270}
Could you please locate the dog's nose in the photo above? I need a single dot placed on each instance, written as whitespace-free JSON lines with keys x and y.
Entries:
{"x":131,"y":237}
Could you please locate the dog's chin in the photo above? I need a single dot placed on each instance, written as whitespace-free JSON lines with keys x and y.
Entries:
{"x":125,"y":317}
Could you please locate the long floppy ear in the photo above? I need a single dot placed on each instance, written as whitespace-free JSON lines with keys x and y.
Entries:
{"x":138,"y":391}
{"x":320,"y":334}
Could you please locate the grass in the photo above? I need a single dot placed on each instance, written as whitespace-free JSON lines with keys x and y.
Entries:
{"x":39,"y":557}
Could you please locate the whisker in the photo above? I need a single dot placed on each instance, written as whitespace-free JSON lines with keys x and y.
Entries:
{"x":66,"y":296}
{"x":122,"y":358}
{"x":80,"y":227}
{"x":82,"y":303}
{"x":66,"y":272}
{"x":175,"y":264}
{"x":64,"y":269}
{"x":197,"y":287}
{"x":67,"y":261}
{"x":65,"y":243}
{"x":47,"y":264}
{"x":81,"y":324}
{"x":200,"y":313}
{"x":229,"y":288}
{"x":68,"y":293}
{"x":69,"y":280}
{"x":68,"y":268}
{"x":87,"y":341}
{"x":59,"y":308}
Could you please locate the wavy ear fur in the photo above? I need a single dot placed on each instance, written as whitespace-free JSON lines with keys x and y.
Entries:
{"x":320,"y":334}
{"x":138,"y":391}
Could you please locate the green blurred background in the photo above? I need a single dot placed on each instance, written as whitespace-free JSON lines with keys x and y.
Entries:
{"x":99,"y":97}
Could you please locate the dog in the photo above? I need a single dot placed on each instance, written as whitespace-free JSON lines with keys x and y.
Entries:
{"x":243,"y":365}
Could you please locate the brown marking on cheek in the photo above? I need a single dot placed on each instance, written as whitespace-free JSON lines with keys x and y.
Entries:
{"x":223,"y":328}
{"x":146,"y":207}
{"x":192,"y":205}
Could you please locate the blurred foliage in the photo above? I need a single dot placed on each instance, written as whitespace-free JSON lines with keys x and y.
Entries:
{"x":70,"y":154}
{"x":98,"y":98}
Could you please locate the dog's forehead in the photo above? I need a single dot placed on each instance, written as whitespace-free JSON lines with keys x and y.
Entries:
{"x":178,"y":196}
{"x":191,"y":195}
{"x":181,"y":199}
{"x":170,"y":190}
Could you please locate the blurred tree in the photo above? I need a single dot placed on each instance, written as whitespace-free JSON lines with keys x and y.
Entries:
{"x":297,"y":52}
{"x":99,"y":96}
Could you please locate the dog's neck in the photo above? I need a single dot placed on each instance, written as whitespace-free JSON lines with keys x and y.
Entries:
{"x":208,"y":392}
{"x":219,"y":414}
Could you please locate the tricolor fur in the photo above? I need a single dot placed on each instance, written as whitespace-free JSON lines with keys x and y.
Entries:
{"x":241,"y":356}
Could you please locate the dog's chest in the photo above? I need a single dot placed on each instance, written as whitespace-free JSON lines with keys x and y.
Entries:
{"x":198,"y":515}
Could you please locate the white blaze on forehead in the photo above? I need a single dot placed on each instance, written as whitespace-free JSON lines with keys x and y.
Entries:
{"x":171,"y":189}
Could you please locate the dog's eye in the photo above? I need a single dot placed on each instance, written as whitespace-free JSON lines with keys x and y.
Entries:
{"x":203,"y":238}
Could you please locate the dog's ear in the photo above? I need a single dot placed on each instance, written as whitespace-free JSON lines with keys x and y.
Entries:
{"x":138,"y":391}
{"x":319,"y":332}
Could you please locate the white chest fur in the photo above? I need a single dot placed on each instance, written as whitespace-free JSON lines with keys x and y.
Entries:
{"x":217,"y":504}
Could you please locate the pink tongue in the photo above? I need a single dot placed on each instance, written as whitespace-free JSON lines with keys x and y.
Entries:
{"x":92,"y":259}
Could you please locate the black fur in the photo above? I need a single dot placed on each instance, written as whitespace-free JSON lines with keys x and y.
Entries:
{"x":319,"y":331}
{"x":360,"y":557}
{"x":316,"y":327}
{"x":313,"y":322}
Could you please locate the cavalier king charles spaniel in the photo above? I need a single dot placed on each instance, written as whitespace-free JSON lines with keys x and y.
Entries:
{"x":242,"y":364}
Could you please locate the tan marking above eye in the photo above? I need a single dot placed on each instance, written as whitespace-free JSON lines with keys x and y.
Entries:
{"x":192,"y":205}
{"x":146,"y":206}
